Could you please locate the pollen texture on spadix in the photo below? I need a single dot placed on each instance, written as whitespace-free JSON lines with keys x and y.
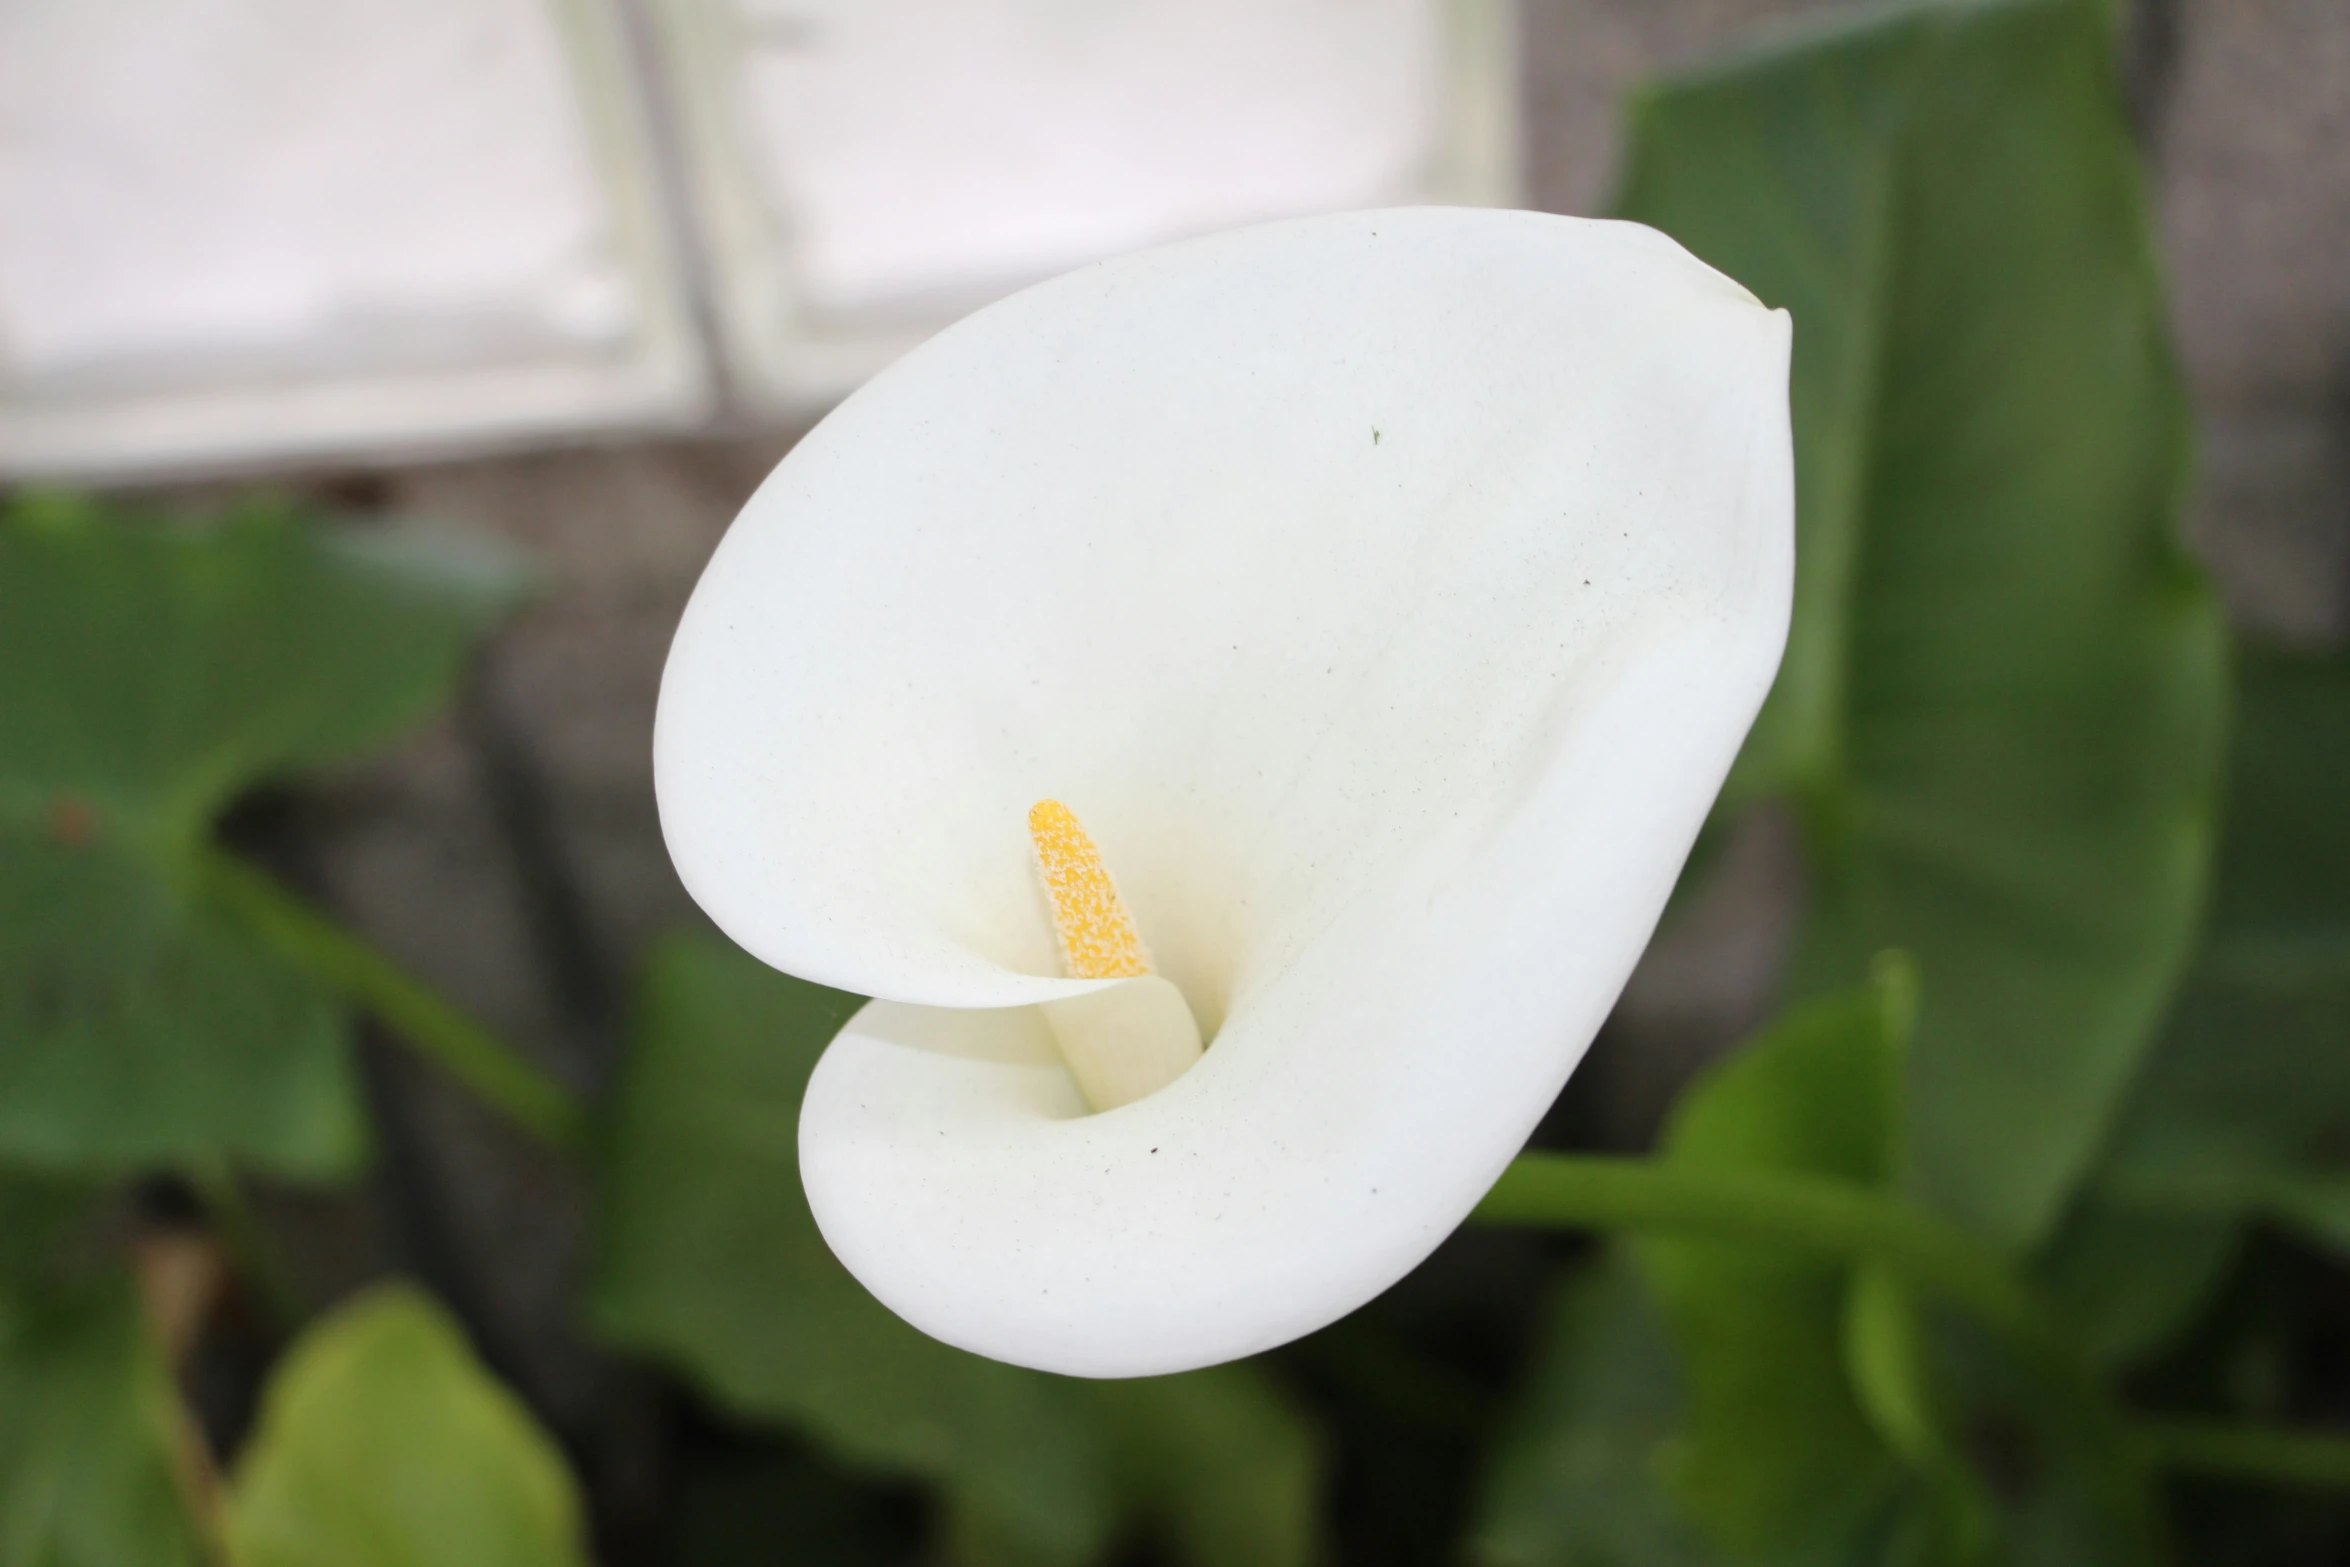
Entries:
{"x":1096,"y":934}
{"x":1127,"y":1040}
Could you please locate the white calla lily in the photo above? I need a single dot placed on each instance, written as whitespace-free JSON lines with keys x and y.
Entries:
{"x":1387,"y":593}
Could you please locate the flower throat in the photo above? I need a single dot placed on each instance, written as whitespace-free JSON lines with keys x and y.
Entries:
{"x":1126,"y":1041}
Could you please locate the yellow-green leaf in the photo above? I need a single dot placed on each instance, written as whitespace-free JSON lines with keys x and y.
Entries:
{"x":383,"y":1443}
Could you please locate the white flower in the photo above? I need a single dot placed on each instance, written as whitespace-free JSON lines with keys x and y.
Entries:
{"x":1387,"y":594}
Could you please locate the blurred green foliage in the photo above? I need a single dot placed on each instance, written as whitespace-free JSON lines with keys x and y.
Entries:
{"x":382,"y":1443}
{"x":1777,"y":1402}
{"x":1777,"y":1451}
{"x":1577,"y":1475}
{"x":2243,"y":1110}
{"x":90,"y":1434}
{"x":149,"y":675}
{"x":2000,"y":724}
{"x":2000,"y":712}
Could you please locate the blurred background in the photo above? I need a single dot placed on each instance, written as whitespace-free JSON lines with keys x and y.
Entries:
{"x":573,"y":275}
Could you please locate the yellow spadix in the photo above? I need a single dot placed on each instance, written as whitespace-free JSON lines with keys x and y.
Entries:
{"x":1125,"y":1041}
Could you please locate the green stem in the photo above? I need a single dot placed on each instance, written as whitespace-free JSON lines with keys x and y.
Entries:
{"x":1812,"y":1211}
{"x":1846,"y":1221}
{"x":493,"y":1070}
{"x":240,"y":1230}
{"x":2210,"y":1447}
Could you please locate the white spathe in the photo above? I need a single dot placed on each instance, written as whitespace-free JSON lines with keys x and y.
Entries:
{"x":1387,"y":593}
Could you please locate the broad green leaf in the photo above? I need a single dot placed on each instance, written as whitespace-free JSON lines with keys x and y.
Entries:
{"x":708,"y":1257}
{"x":88,"y":1423}
{"x":38,"y":1218}
{"x":152,"y":671}
{"x":2055,"y":1497}
{"x":1778,"y":1454}
{"x":1219,"y":1461}
{"x":2000,"y":710}
{"x":1574,"y":1479}
{"x":2130,"y":1282}
{"x":141,"y":1025}
{"x":2244,"y":1108}
{"x":383,"y":1443}
{"x":148,"y":674}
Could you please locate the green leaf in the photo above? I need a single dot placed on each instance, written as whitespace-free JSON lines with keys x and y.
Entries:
{"x":1897,"y":1378}
{"x":38,"y":1218}
{"x":2244,"y":1109}
{"x":149,"y":674}
{"x":2050,"y":1482}
{"x":2000,"y":709}
{"x":1779,"y":1455}
{"x":708,"y":1257}
{"x":1574,"y":1480}
{"x":2130,"y":1283}
{"x":138,"y":1025}
{"x":383,"y":1443}
{"x":155,"y":671}
{"x":1222,"y":1462}
{"x":88,"y":1423}
{"x":1830,"y":1417}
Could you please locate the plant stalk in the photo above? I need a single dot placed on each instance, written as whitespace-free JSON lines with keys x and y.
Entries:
{"x":486,"y":1065}
{"x":1610,"y":1193}
{"x":1851,"y":1222}
{"x":254,"y":1255}
{"x":2305,"y":1459}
